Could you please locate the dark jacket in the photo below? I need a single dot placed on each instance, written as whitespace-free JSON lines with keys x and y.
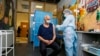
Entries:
{"x":3,"y":26}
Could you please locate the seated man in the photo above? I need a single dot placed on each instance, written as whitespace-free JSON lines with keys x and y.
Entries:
{"x":4,"y":23}
{"x":47,"y":36}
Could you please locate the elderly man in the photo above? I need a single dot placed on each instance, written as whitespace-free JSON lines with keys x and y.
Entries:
{"x":70,"y":38}
{"x":47,"y":36}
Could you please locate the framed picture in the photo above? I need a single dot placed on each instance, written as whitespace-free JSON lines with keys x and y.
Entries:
{"x":92,"y":5}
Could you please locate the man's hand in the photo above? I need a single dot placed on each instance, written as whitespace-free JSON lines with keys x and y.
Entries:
{"x":47,"y":42}
{"x":51,"y":41}
{"x":44,"y":40}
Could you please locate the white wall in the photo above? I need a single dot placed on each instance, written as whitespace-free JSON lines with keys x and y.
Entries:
{"x":33,"y":6}
{"x":53,"y":8}
{"x":23,"y":13}
{"x":22,"y":17}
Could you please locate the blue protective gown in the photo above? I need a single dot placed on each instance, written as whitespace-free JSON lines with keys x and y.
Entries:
{"x":70,"y":37}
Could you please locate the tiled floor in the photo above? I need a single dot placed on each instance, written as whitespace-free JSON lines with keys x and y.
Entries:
{"x":23,"y":50}
{"x":28,"y":50}
{"x":21,"y":40}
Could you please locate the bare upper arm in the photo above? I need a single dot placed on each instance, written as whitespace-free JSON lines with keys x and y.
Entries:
{"x":54,"y":33}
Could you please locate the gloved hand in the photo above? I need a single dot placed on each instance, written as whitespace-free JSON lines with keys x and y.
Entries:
{"x":59,"y":27}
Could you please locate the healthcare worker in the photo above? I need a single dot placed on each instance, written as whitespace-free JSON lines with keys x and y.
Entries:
{"x":70,"y":37}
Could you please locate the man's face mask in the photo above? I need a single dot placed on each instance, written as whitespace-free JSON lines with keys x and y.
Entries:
{"x":48,"y":21}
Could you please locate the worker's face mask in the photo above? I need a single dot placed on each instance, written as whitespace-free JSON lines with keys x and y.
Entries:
{"x":65,"y":15}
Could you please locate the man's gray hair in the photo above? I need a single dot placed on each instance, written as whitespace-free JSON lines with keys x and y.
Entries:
{"x":67,"y":11}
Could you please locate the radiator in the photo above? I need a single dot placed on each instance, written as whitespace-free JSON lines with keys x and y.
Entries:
{"x":6,"y":40}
